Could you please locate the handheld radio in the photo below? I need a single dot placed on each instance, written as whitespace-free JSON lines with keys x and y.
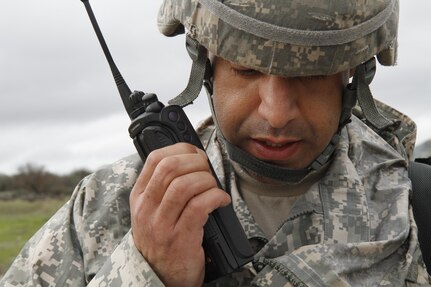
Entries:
{"x":155,"y":126}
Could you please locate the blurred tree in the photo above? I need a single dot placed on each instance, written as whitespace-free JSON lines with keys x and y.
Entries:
{"x":33,"y":178}
{"x":72,"y":179}
{"x":33,"y":181}
{"x":6,"y":183}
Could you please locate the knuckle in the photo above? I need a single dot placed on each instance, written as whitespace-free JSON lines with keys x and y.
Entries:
{"x":208,"y":179}
{"x":164,"y":170}
{"x":195,"y":207}
{"x":138,"y":187}
{"x":153,"y":158}
{"x":186,"y":147}
{"x":178,"y":187}
{"x":168,"y":165}
{"x":211,"y":179}
{"x":204,"y":162}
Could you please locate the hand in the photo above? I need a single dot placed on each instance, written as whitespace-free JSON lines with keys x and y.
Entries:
{"x":170,"y":203}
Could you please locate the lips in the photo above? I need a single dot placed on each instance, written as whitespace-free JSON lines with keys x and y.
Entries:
{"x":274,"y":150}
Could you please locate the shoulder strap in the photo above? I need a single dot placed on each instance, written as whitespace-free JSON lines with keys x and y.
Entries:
{"x":420,"y":175}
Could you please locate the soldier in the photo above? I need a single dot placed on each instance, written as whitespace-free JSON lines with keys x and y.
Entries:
{"x":323,"y":195}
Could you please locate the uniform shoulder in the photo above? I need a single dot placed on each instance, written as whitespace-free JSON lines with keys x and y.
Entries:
{"x":108,"y":184}
{"x":401,"y":134}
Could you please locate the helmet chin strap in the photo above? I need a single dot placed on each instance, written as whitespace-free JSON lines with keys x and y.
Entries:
{"x":201,"y":74}
{"x":276,"y":172}
{"x":363,"y":77}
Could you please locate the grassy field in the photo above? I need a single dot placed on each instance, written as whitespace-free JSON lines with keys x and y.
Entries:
{"x":19,"y":220}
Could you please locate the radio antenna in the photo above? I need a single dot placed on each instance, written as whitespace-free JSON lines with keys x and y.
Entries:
{"x":119,"y":81}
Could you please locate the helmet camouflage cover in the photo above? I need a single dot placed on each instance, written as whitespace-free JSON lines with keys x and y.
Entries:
{"x":289,"y":37}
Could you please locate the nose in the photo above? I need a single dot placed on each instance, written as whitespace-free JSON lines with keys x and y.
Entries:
{"x":278,"y":101}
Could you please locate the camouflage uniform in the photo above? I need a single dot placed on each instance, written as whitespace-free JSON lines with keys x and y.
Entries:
{"x":352,"y":228}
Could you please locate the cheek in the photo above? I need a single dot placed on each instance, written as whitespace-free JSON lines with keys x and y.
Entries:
{"x":234,"y":110}
{"x":323,"y":114}
{"x":227,"y":112}
{"x":328,"y":118}
{"x":222,"y":107}
{"x":222,"y":97}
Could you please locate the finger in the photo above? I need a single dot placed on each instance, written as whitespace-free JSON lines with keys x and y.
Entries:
{"x":169,"y":169}
{"x":166,"y":171}
{"x":152,"y":161}
{"x":156,"y":156}
{"x":195,"y":214}
{"x":180,"y":191}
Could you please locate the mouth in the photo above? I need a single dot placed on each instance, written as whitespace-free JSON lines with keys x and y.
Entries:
{"x":274,"y":150}
{"x":274,"y":145}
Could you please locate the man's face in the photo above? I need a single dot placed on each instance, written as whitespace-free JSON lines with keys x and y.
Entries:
{"x":285,"y":121}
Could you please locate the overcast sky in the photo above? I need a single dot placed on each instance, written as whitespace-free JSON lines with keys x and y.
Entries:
{"x":59,"y":106}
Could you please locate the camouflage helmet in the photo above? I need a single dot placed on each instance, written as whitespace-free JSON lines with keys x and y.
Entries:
{"x":288,"y":37}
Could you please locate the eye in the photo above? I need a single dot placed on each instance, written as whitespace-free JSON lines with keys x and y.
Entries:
{"x":244,"y":72}
{"x":311,"y":78}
